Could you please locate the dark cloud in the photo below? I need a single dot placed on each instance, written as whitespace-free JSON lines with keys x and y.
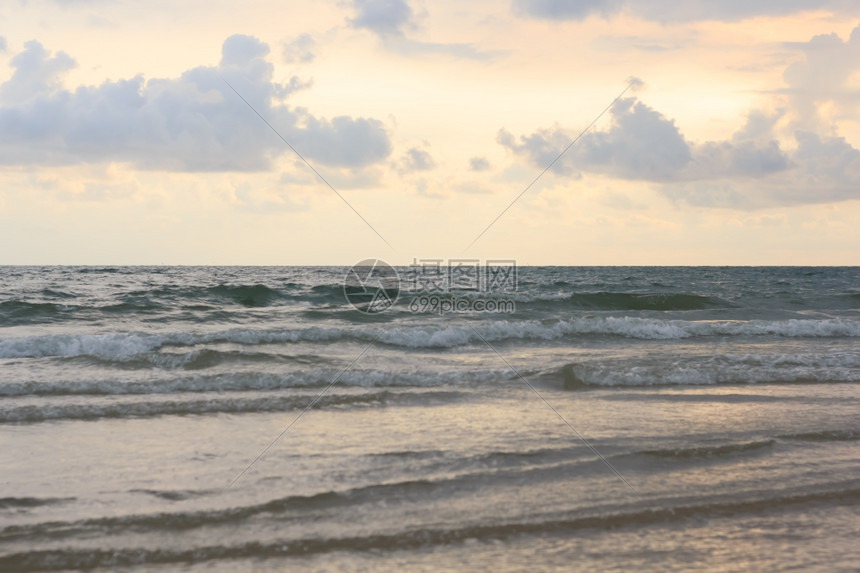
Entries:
{"x":669,"y":10}
{"x":565,"y":9}
{"x":384,"y":17}
{"x":190,"y":123}
{"x":749,"y":170}
{"x":389,"y":19}
{"x":479,"y":164}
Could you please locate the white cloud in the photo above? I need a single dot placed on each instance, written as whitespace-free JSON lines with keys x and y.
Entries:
{"x":821,"y":170}
{"x":750,"y":170}
{"x":191,"y":123}
{"x":36,"y":71}
{"x":824,"y":75}
{"x":640,"y":144}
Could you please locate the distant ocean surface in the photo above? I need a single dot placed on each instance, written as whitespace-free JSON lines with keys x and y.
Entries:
{"x":132,"y":398}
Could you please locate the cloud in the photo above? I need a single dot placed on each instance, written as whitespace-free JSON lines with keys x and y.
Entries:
{"x":641,"y":144}
{"x":35,"y":72}
{"x":191,"y":123}
{"x":750,"y":170}
{"x":628,"y":43}
{"x":417,"y":160}
{"x":620,"y":201}
{"x":389,"y":19}
{"x":2,"y":45}
{"x":239,"y":50}
{"x":408,"y":47}
{"x":759,"y":125}
{"x":670,"y":11}
{"x":479,"y":164}
{"x":823,"y":75}
{"x":383,"y":17}
{"x":299,"y":50}
{"x":565,"y":9}
{"x":472,"y":188}
{"x":822,"y":170}
{"x":343,"y":141}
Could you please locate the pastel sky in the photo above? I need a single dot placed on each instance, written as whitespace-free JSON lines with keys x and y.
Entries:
{"x":737,"y":140}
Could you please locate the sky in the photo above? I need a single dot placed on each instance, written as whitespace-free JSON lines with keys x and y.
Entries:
{"x":324,"y":133}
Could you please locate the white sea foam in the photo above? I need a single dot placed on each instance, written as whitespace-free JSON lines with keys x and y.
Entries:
{"x":112,"y":345}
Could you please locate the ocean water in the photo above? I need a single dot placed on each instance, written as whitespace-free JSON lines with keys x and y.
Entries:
{"x":251,"y":419}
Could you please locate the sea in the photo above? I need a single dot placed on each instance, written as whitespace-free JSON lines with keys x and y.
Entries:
{"x":594,"y":419}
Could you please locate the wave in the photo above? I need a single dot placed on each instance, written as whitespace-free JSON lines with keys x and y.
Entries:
{"x":252,"y":381}
{"x":174,"y":495}
{"x":55,"y":305}
{"x":410,"y":539}
{"x":711,"y":370}
{"x":246,"y":295}
{"x":709,"y":451}
{"x":15,"y":312}
{"x":602,"y":300}
{"x":30,"y":414}
{"x":178,"y":521}
{"x":639,"y":301}
{"x":825,"y":436}
{"x":130,"y":343}
{"x":100,"y":345}
{"x":100,"y":270}
{"x":31,"y":502}
{"x":198,"y":359}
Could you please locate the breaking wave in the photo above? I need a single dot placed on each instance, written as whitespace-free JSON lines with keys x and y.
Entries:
{"x":119,"y":344}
